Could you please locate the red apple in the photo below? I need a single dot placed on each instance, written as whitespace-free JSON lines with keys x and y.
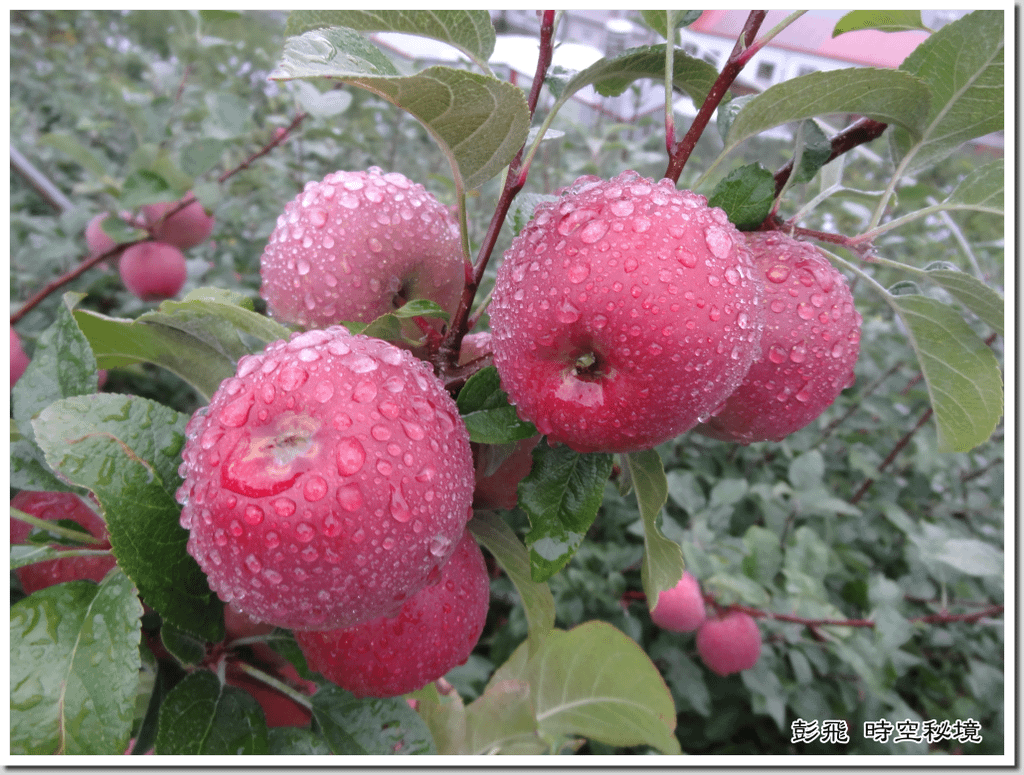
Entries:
{"x":54,"y":506}
{"x":185,"y":229}
{"x":153,"y":270}
{"x":19,"y":360}
{"x":95,"y":238}
{"x":497,"y":482}
{"x":623,"y":314}
{"x":680,"y":609}
{"x":809,"y":346}
{"x":729,"y":644}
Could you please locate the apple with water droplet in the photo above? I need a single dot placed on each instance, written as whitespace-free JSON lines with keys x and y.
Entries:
{"x":153,"y":270}
{"x":809,"y":346}
{"x":435,"y":630}
{"x":357,"y":245}
{"x":326,"y":482}
{"x":730,"y":643}
{"x":624,"y":313}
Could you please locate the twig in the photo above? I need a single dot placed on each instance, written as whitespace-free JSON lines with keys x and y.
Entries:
{"x":863,"y":131}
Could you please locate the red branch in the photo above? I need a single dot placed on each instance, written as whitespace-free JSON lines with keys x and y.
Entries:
{"x":681,"y":151}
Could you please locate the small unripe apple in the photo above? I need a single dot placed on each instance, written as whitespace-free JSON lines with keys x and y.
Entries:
{"x":809,"y":346}
{"x":185,"y":229}
{"x":680,"y":609}
{"x":19,"y":360}
{"x":729,"y":644}
{"x":623,"y":314}
{"x":153,"y":270}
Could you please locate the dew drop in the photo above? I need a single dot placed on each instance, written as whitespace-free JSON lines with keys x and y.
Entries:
{"x":778,"y":273}
{"x":686,"y":258}
{"x":566,"y":313}
{"x":284,"y":507}
{"x":272,"y":576}
{"x":253,"y":514}
{"x":253,"y":564}
{"x":272,"y":540}
{"x":291,"y":377}
{"x":718,"y":241}
{"x":798,"y":353}
{"x":315,"y":488}
{"x":578,"y":273}
{"x":777,"y":354}
{"x":805,"y":311}
{"x":399,"y":508}
{"x":593,"y":231}
{"x":350,"y":456}
{"x":236,"y":413}
{"x":305,"y":532}
{"x":439,"y":545}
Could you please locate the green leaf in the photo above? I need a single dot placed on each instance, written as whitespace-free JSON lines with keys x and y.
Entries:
{"x":886,"y":21}
{"x":127,"y":450}
{"x":611,"y":77}
{"x":489,"y":417}
{"x":501,"y":720}
{"x":202,"y":716}
{"x":972,"y":557}
{"x":230,"y":116}
{"x":81,"y":155}
{"x":62,"y":365}
{"x":332,"y":102}
{"x":662,"y":566}
{"x":295,"y":741}
{"x":478,"y":121}
{"x":746,"y":194}
{"x":523,"y":207}
{"x":962,"y":373}
{"x":538,"y":604}
{"x":807,"y":471}
{"x":561,"y":495}
{"x":596,"y":682}
{"x":189,"y":651}
{"x":979,"y":298}
{"x":470,"y":31}
{"x":25,"y":554}
{"x":659,"y":20}
{"x":814,"y":153}
{"x":75,"y":667}
{"x":199,"y":338}
{"x":202,"y":155}
{"x":144,"y":187}
{"x":764,"y":555}
{"x":369,"y":726}
{"x":890,"y":96}
{"x":962,"y":66}
{"x":982,"y":189}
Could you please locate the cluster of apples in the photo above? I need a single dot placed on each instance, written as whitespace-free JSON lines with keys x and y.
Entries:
{"x":328,"y":485}
{"x":155,"y":269}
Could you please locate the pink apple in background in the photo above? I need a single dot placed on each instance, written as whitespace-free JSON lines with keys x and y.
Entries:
{"x":95,"y":238}
{"x":809,"y":346}
{"x":624,"y":313}
{"x":729,"y":644}
{"x":19,"y":360}
{"x":185,"y":229}
{"x":357,"y":245}
{"x":475,"y":345}
{"x":54,"y":506}
{"x":680,"y":609}
{"x":153,"y":270}
{"x":435,"y":630}
{"x":499,"y":471}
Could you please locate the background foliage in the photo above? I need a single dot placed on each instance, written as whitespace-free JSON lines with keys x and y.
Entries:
{"x":858,"y":518}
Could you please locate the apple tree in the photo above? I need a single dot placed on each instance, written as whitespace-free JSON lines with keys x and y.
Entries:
{"x":410,"y":418}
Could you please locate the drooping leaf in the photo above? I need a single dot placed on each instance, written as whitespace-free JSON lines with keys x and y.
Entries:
{"x":816,"y":148}
{"x":62,"y":365}
{"x":611,"y":77}
{"x":76,"y":151}
{"x":373,"y":726}
{"x":962,"y":66}
{"x":489,"y":417}
{"x":662,"y":566}
{"x":202,"y":716}
{"x":886,"y":21}
{"x":982,"y":189}
{"x":596,"y":682}
{"x":889,"y":96}
{"x":470,"y":31}
{"x":978,"y":297}
{"x":126,"y":450}
{"x":478,"y":121}
{"x":561,"y":495}
{"x":75,"y":667}
{"x":746,"y":194}
{"x":501,"y":720}
{"x":972,"y":557}
{"x":961,"y":372}
{"x":199,"y":338}
{"x":144,"y":187}
{"x":201,"y":155}
{"x":538,"y":604}
{"x":295,"y":741}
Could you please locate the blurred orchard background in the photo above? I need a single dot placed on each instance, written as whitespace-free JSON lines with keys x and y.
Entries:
{"x":875,"y":519}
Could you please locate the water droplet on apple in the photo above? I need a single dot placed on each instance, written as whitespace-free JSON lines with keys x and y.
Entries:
{"x":593,"y":231}
{"x":315,"y":488}
{"x":350,"y":456}
{"x":253,"y":514}
{"x":805,"y":311}
{"x":236,"y":413}
{"x":798,"y":353}
{"x":254,"y":565}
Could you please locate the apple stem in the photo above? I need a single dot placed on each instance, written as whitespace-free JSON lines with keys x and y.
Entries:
{"x":275,"y":683}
